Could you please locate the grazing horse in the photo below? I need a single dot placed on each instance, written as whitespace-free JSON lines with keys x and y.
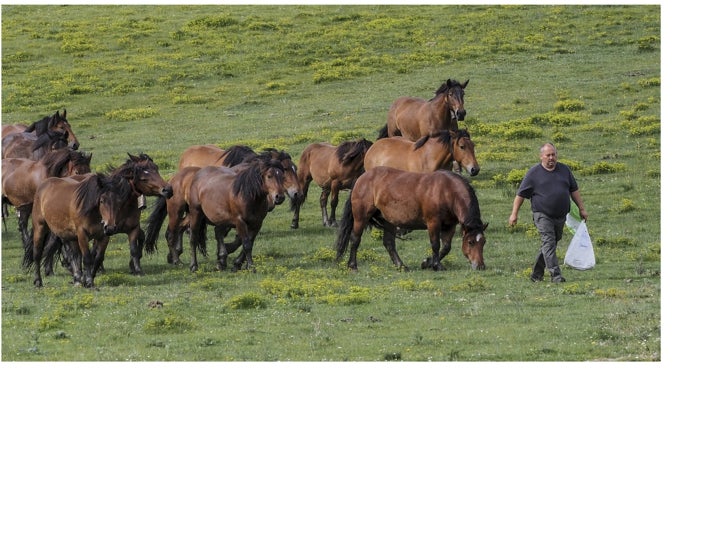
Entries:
{"x":31,"y":146}
{"x":71,"y":212}
{"x":427,"y":154}
{"x":203,"y":155}
{"x":236,"y":197}
{"x":413,"y":118}
{"x":392,"y":199}
{"x":55,"y":122}
{"x":21,"y":178}
{"x":334,"y":168}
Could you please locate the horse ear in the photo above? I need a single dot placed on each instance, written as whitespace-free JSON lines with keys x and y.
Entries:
{"x":134,"y":158}
{"x":464,"y":85}
{"x":64,"y":114}
{"x":485,"y":226}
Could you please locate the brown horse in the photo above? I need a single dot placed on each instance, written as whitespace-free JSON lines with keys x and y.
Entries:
{"x":203,"y":155}
{"x":392,"y":199}
{"x":31,"y":146}
{"x":413,"y":118}
{"x":427,"y":154}
{"x":247,"y":183}
{"x":73,"y":213}
{"x":334,"y":168}
{"x":55,"y":122}
{"x":21,"y":178}
{"x":232,"y":197}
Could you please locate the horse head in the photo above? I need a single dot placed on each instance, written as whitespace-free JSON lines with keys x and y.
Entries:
{"x":473,"y":243}
{"x":291,"y":183}
{"x":144,"y":178}
{"x":60,"y":124}
{"x":455,"y":97}
{"x":273,"y":175}
{"x":463,"y":151}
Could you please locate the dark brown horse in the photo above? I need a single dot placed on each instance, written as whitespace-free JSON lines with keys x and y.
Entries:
{"x":229,"y":198}
{"x":74,"y":213}
{"x":204,"y":155}
{"x":55,"y":122}
{"x":413,"y":118}
{"x":21,"y":178}
{"x":392,"y":199}
{"x":141,"y":175}
{"x":333,"y":168}
{"x":427,"y":154}
{"x":31,"y":146}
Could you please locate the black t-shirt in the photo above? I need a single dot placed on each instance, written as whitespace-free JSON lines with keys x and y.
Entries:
{"x":549,"y":191}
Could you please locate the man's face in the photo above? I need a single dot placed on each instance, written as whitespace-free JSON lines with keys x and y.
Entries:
{"x":548,"y":158}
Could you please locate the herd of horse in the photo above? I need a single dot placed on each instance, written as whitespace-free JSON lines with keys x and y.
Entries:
{"x":403,"y":181}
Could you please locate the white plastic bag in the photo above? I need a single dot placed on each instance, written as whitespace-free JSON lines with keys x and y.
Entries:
{"x":580,"y":254}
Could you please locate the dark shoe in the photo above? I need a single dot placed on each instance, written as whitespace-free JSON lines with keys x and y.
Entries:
{"x":536,"y":279}
{"x":558,"y":279}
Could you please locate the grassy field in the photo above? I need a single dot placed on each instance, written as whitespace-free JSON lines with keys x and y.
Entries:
{"x":157,"y":79}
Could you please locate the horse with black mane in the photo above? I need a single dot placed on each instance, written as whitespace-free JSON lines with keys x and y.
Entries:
{"x":412,"y":117}
{"x":429,"y":153}
{"x":31,"y":146}
{"x":227,"y":197}
{"x":73,"y":213}
{"x":203,"y":155}
{"x":55,"y":122}
{"x":333,"y":168}
{"x":392,"y":199}
{"x":22,"y":176}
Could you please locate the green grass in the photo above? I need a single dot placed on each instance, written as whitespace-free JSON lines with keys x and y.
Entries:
{"x":158,"y":79}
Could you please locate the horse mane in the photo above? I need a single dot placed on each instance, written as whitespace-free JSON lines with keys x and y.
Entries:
{"x":447,"y":85}
{"x":87,"y":193}
{"x":50,"y":138}
{"x":274,"y":153}
{"x":129,"y":169}
{"x":473,"y":220}
{"x":349,"y":151}
{"x":249,"y":181}
{"x":39,"y":126}
{"x":56,"y":160}
{"x":237,"y":154}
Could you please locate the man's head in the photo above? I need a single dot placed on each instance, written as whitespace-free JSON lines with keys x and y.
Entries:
{"x":548,"y":156}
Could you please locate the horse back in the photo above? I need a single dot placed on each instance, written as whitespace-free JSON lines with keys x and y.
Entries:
{"x":55,"y":206}
{"x":20,"y":179}
{"x":201,"y":155}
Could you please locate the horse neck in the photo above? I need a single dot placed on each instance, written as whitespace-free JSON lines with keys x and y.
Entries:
{"x":440,"y":154}
{"x":440,"y":105}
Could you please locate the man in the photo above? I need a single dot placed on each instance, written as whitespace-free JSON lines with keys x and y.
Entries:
{"x":549,"y":186}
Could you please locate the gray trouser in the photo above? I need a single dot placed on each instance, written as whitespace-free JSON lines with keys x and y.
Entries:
{"x":551,"y":231}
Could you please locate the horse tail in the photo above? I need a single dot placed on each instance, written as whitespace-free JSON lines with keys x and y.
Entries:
{"x":154,"y":223}
{"x":51,"y":250}
{"x":383,"y":133}
{"x":201,"y":237}
{"x":347,"y":223}
{"x":28,"y":258}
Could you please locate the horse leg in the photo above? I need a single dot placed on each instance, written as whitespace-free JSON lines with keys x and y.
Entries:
{"x":323,"y":206}
{"x":96,"y":257}
{"x":23,"y":215}
{"x":136,"y":239}
{"x":389,"y":243}
{"x":40,"y":233}
{"x":434,"y":261}
{"x":334,"y":195}
{"x":306,"y":187}
{"x":90,"y":261}
{"x":246,"y":254}
{"x":222,"y":251}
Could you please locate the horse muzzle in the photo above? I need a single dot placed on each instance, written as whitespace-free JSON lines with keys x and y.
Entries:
{"x":109,"y":230}
{"x":460,"y":114}
{"x":167,"y":192}
{"x":279,"y":198}
{"x":473,"y":171}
